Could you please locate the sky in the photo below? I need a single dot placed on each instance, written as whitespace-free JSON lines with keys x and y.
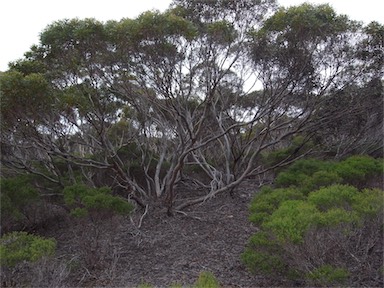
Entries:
{"x":21,"y":21}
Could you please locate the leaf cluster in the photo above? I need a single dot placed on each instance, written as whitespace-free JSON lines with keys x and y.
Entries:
{"x":16,"y":247}
{"x":16,"y":194}
{"x":84,"y":200}
{"x":23,"y":97}
{"x":309,"y":174}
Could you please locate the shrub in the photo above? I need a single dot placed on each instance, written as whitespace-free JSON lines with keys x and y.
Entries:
{"x":263,"y":254}
{"x":268,"y":200}
{"x":291,"y":220}
{"x":316,"y":230}
{"x":206,"y":280}
{"x":308,"y":166}
{"x":84,"y":200}
{"x":299,"y":145}
{"x":290,"y":178}
{"x":16,"y":247}
{"x":308,"y":174}
{"x":16,"y":194}
{"x":327,"y":274}
{"x":341,"y":196}
{"x":356,"y":170}
{"x":99,"y":205}
{"x":369,"y":202}
{"x":321,"y":179}
{"x":311,"y":174}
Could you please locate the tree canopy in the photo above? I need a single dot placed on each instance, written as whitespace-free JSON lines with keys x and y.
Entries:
{"x":137,"y":104}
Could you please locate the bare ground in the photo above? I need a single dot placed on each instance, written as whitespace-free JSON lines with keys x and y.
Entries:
{"x":165,"y":250}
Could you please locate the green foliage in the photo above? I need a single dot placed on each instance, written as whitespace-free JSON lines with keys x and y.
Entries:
{"x":268,"y":200}
{"x":264,"y":262}
{"x":357,"y":169}
{"x":16,"y":194}
{"x":222,"y":31}
{"x":84,"y":199}
{"x":320,"y":19}
{"x":206,"y":280}
{"x":340,"y":196}
{"x":263,"y":254}
{"x":291,"y":220}
{"x":315,"y":208}
{"x":328,"y":275}
{"x":16,"y":247}
{"x":145,"y":285}
{"x":79,"y":212}
{"x":369,"y":202}
{"x":297,"y":146}
{"x":307,"y":174}
{"x":337,"y":217}
{"x":321,"y":179}
{"x":23,"y":97}
{"x":64,"y":35}
{"x":311,"y":174}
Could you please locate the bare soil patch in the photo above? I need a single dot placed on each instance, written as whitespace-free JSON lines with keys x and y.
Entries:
{"x":168,"y":250}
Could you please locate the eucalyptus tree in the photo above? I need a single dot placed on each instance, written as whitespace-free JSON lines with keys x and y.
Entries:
{"x":304,"y":57}
{"x":359,"y":131}
{"x":132,"y":103}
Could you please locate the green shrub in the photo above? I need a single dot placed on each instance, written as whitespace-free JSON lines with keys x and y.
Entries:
{"x":84,"y":200}
{"x":292,"y":219}
{"x":16,"y":194}
{"x":308,"y":174}
{"x":337,"y":216}
{"x":316,"y":225}
{"x":328,"y":275}
{"x":289,"y":179}
{"x":308,"y":166}
{"x":356,"y":170}
{"x":341,"y":196}
{"x":206,"y":280}
{"x":263,"y":262}
{"x":321,"y":179}
{"x":263,"y":254}
{"x":268,"y":200}
{"x":311,"y":174}
{"x":299,"y":145}
{"x":369,"y":202}
{"x":145,"y":285}
{"x":16,"y":247}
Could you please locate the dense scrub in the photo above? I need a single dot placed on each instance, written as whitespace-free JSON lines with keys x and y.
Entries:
{"x":320,"y":227}
{"x":20,"y":251}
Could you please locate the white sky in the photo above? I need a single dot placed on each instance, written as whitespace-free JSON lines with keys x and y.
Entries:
{"x":21,"y":21}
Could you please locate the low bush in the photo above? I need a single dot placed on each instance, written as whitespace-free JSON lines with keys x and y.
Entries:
{"x":268,"y":200}
{"x":298,"y":146}
{"x":327,"y":274}
{"x":356,"y":170}
{"x":319,"y":231}
{"x":17,"y":194}
{"x":95,"y":214}
{"x":340,"y":196}
{"x":84,"y":200}
{"x":307,"y":174}
{"x":311,"y":174}
{"x":291,"y":220}
{"x":263,"y":254}
{"x":206,"y":280}
{"x":16,"y":247}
